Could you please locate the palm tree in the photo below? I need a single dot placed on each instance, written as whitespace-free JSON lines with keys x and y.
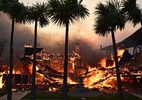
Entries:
{"x":64,"y":12}
{"x":4,"y":5}
{"x":110,"y":18}
{"x":16,"y":12}
{"x":132,"y":11}
{"x":37,"y":13}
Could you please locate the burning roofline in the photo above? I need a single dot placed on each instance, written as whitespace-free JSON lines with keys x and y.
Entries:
{"x":131,"y":41}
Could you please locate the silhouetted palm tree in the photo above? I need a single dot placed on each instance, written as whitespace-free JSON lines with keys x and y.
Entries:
{"x":4,"y":5}
{"x":16,"y":12}
{"x":132,"y":11}
{"x":109,"y":19}
{"x":64,"y":12}
{"x":37,"y":13}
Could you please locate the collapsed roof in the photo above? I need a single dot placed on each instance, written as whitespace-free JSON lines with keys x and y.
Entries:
{"x":30,"y":51}
{"x":133,"y":40}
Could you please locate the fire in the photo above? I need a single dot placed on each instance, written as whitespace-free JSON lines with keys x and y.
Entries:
{"x":1,"y":84}
{"x":93,"y":77}
{"x":102,"y":76}
{"x":97,"y":78}
{"x":70,"y":81}
{"x":120,"y":52}
{"x":103,"y":62}
{"x":50,"y":72}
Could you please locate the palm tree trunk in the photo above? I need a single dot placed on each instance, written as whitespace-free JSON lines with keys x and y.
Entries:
{"x":119,"y":84}
{"x":9,"y":96}
{"x":34,"y":64}
{"x":64,"y":91}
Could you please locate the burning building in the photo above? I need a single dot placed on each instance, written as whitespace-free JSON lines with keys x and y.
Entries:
{"x":49,"y":71}
{"x":130,"y":63}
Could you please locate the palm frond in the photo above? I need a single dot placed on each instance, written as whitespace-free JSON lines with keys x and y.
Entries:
{"x":109,"y":17}
{"x":66,"y":11}
{"x":39,"y":12}
{"x":132,"y":11}
{"x":17,"y":11}
{"x":101,"y":28}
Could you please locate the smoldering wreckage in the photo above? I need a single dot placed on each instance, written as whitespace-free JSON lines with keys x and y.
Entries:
{"x":49,"y":69}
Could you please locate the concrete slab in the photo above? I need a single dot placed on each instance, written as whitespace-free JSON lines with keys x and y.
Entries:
{"x":17,"y":95}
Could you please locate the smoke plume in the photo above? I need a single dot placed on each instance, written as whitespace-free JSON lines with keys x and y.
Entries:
{"x":23,"y":34}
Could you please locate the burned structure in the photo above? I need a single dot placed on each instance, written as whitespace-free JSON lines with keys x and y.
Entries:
{"x":49,"y":69}
{"x":134,"y":42}
{"x":130,"y":63}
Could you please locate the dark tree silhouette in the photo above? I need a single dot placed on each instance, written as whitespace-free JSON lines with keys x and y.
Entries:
{"x":64,"y":12}
{"x":110,"y":18}
{"x":37,"y":13}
